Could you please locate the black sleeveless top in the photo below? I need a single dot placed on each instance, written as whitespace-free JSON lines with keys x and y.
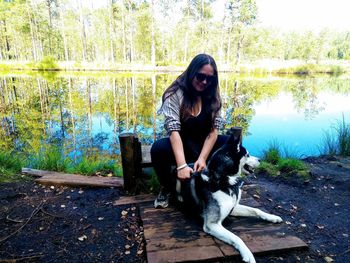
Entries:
{"x":195,"y":130}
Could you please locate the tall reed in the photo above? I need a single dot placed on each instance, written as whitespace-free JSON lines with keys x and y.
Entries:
{"x":337,"y":139}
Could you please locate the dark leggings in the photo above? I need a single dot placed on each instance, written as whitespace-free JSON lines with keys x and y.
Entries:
{"x":163,"y":159}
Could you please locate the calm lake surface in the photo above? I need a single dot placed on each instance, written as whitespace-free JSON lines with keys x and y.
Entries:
{"x":84,"y":114}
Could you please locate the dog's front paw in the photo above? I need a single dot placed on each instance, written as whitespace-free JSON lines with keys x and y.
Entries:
{"x":248,"y":257}
{"x":274,"y":219}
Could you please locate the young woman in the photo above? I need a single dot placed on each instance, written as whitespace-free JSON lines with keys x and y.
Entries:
{"x":191,"y":106}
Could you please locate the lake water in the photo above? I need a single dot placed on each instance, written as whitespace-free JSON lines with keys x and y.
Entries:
{"x":86,"y":113}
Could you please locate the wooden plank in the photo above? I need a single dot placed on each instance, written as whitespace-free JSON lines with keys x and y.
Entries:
{"x":38,"y":173}
{"x":262,"y":243}
{"x":172,"y":236}
{"x":56,"y":178}
{"x":185,"y":254}
{"x":136,"y":199}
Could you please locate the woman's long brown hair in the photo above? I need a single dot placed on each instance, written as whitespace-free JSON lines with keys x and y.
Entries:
{"x":211,"y":101}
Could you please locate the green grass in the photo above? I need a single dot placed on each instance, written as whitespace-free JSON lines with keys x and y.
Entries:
{"x":276,"y":163}
{"x":10,"y":167}
{"x":52,"y":158}
{"x":336,"y":141}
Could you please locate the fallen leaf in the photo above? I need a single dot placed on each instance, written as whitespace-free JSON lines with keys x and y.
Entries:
{"x":52,"y":187}
{"x":82,"y":238}
{"x":320,"y":227}
{"x":127,"y":246}
{"x":336,"y":204}
{"x":100,"y":218}
{"x":127,"y":252}
{"x":294,"y":207}
{"x":345,"y":235}
{"x":124,"y":213}
{"x":81,"y":191}
{"x":63,"y":206}
{"x":256,"y":196}
{"x":139,"y":252}
{"x":109,"y":175}
{"x":288,"y":223}
{"x":328,"y":259}
{"x":303,"y":225}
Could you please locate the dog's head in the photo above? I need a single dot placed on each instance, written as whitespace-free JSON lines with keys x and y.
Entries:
{"x":231,"y":160}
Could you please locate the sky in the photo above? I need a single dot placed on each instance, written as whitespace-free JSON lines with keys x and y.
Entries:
{"x":304,"y":14}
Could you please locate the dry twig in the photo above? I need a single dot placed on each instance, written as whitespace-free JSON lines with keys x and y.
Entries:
{"x":35,"y":211}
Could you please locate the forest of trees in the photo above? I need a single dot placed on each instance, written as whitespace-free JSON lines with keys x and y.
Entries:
{"x":165,"y":32}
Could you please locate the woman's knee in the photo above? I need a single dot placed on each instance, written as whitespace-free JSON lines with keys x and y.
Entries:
{"x":161,"y":148}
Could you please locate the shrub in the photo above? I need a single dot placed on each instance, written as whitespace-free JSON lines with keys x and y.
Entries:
{"x":47,"y":62}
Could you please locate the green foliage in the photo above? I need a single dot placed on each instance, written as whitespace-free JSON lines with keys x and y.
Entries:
{"x":53,"y":159}
{"x":291,"y":165}
{"x":268,"y":168}
{"x":274,"y":164}
{"x":50,"y":158}
{"x":89,"y":166}
{"x":10,"y":166}
{"x":337,"y":139}
{"x":273,"y":153}
{"x":47,"y":63}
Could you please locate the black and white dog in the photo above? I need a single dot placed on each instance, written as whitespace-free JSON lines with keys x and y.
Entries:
{"x":216,"y":193}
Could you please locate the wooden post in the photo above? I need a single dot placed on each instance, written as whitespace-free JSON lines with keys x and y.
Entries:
{"x":130,"y":150}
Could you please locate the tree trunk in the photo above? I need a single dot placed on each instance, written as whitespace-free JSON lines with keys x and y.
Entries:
{"x":124,"y":34}
{"x":228,"y":47}
{"x":239,"y":47}
{"x":64,"y":37}
{"x":83,"y":31}
{"x":7,"y":43}
{"x":34,"y":51}
{"x":131,"y":34}
{"x":153,"y":48}
{"x":48,"y":2}
{"x":111,"y":31}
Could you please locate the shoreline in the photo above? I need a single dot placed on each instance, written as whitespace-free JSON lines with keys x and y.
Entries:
{"x":278,"y":67}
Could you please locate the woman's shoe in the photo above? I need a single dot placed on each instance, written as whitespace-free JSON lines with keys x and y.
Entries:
{"x":162,"y":200}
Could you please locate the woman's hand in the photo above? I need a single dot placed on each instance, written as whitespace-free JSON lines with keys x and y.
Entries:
{"x":199,"y":165}
{"x":184,"y":173}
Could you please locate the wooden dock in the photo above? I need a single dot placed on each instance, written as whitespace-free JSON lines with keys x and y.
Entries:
{"x":172,"y":236}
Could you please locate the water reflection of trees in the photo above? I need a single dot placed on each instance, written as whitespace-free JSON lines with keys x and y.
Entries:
{"x":36,"y":111}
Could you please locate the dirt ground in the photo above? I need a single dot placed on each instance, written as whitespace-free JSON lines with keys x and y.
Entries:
{"x":61,"y":224}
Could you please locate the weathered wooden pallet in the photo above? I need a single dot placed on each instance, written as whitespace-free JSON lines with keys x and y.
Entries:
{"x":56,"y":178}
{"x":172,"y":236}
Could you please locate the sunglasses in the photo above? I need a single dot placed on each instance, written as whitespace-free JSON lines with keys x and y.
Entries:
{"x":201,"y":77}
